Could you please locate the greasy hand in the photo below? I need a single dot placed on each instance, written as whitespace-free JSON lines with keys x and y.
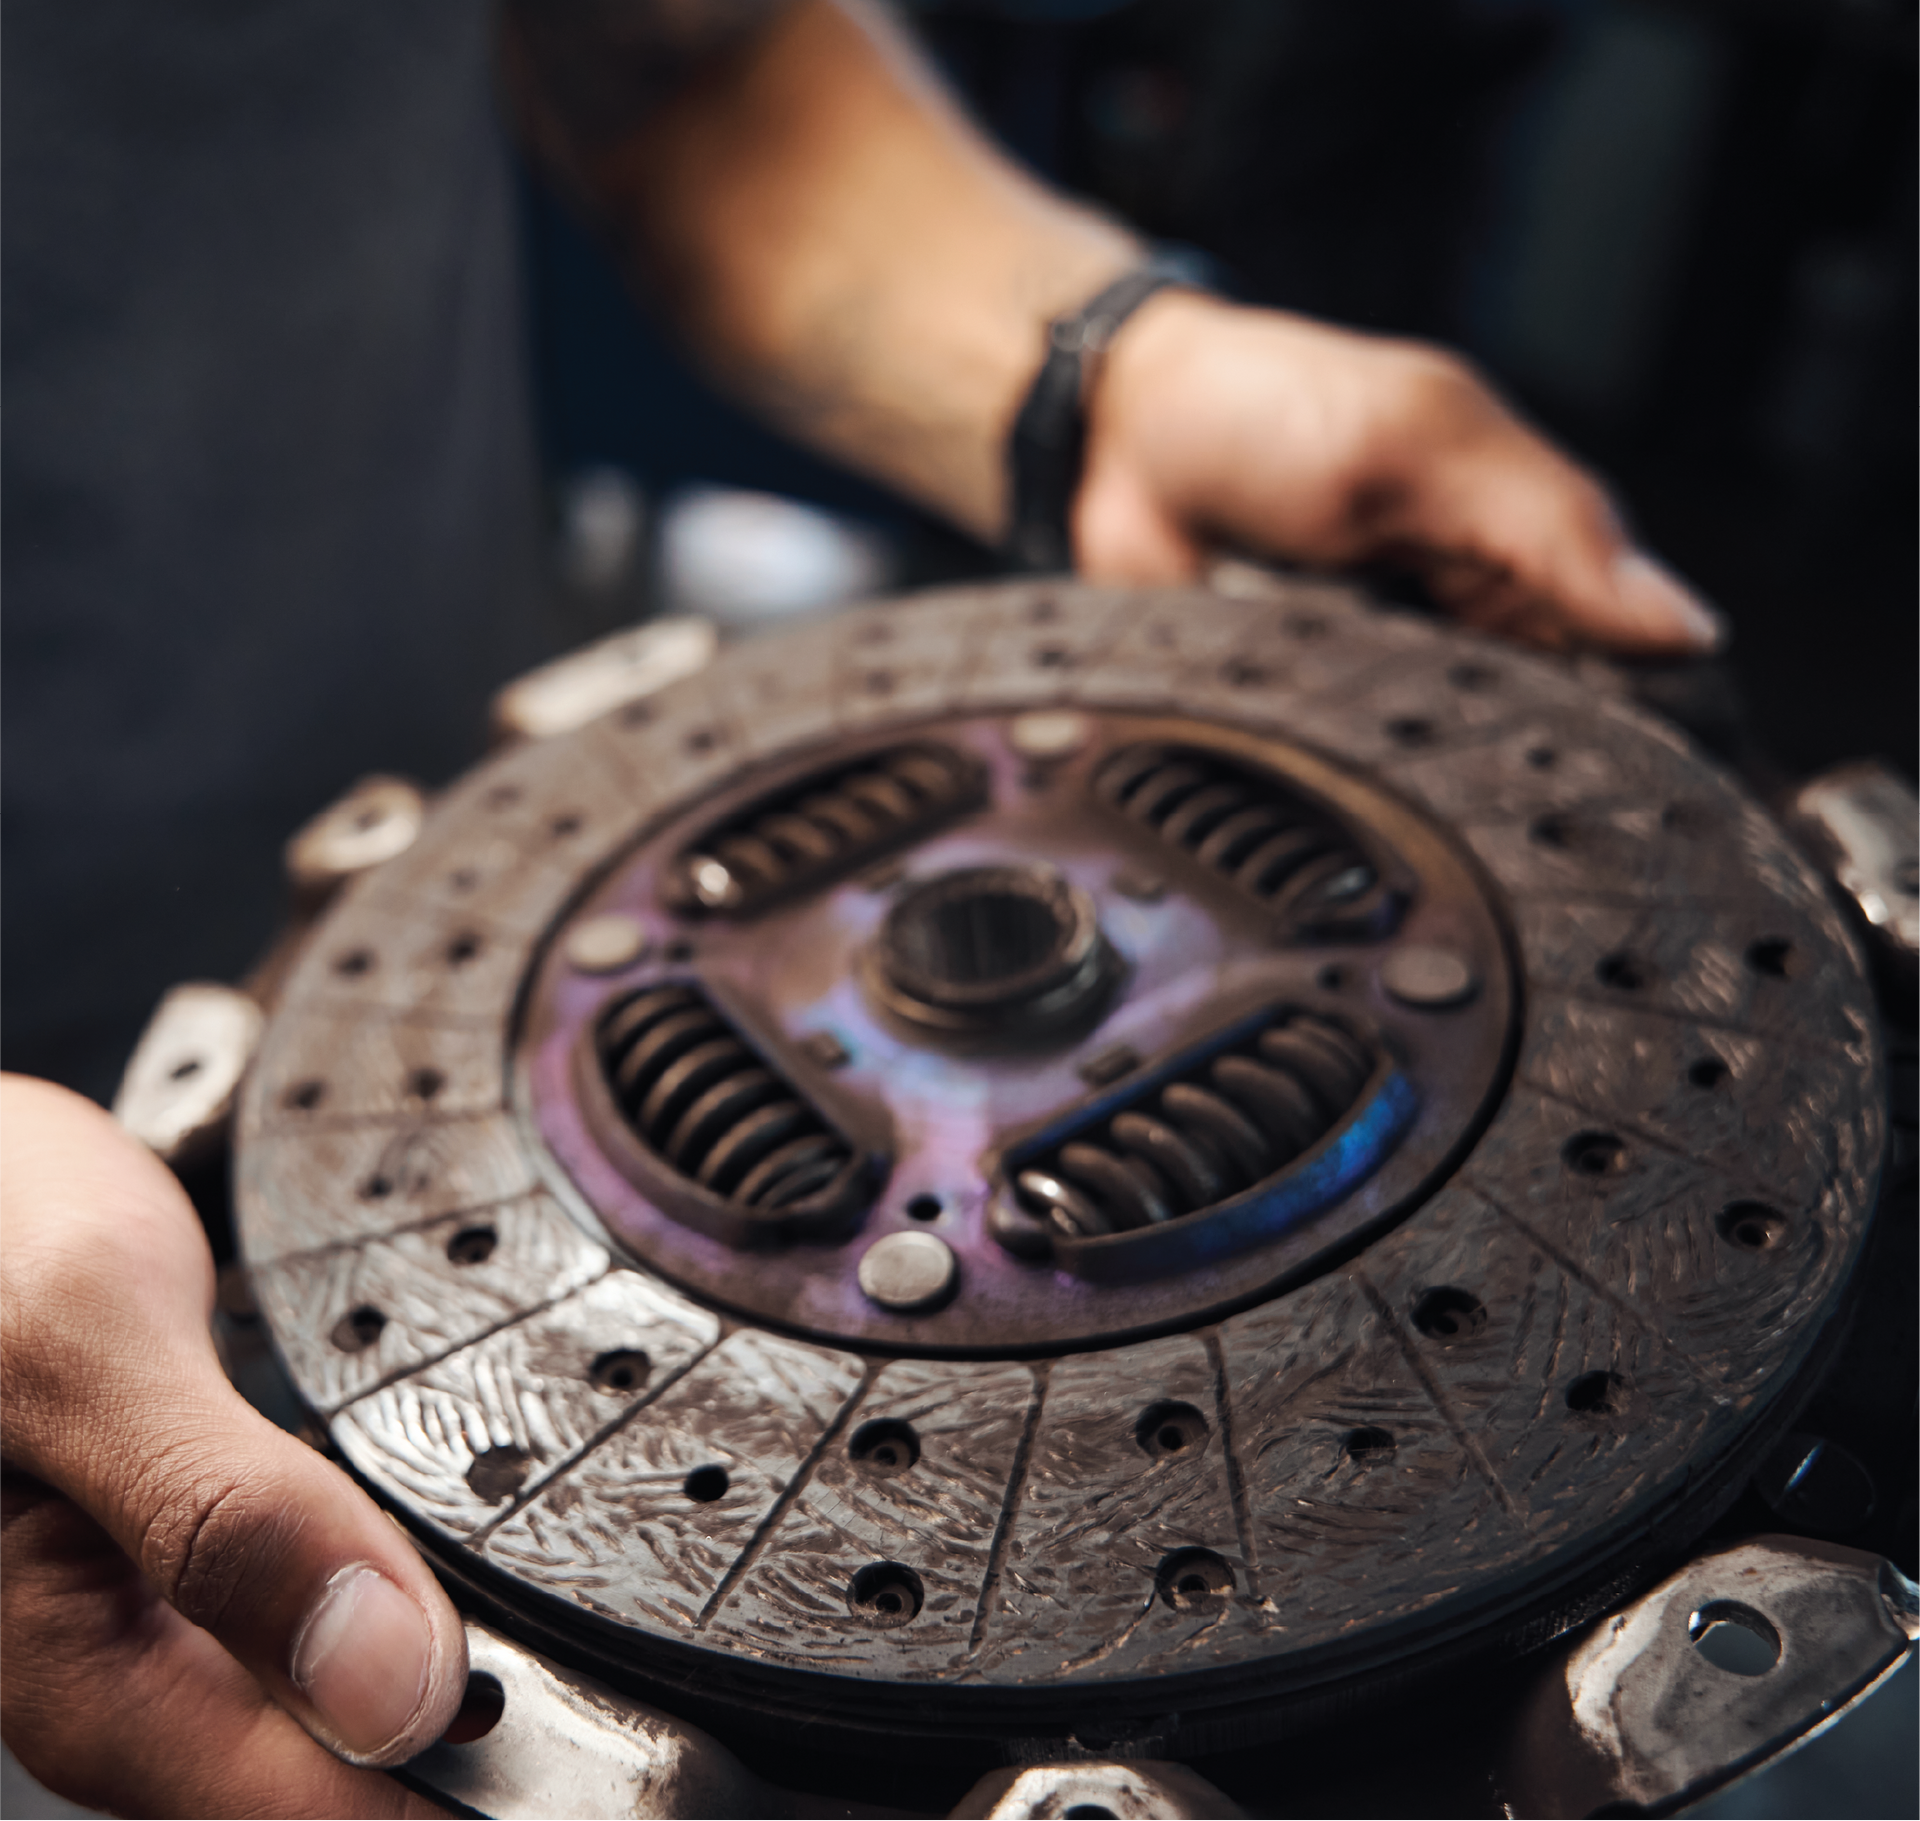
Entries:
{"x":191,"y":1597}
{"x":1213,"y":425}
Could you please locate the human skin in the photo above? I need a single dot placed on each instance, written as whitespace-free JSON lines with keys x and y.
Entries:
{"x":165,"y":1549}
{"x":852,"y":257}
{"x":848,"y":254}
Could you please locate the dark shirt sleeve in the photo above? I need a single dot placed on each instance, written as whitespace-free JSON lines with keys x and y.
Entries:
{"x":604,"y":65}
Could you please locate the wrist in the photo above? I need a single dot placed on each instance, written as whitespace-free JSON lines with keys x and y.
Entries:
{"x":1046,"y":450}
{"x":1160,"y":354}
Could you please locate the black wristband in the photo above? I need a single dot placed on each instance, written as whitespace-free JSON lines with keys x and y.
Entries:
{"x":1048,"y":445}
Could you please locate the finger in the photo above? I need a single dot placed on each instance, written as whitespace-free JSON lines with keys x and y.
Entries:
{"x":114,"y":1700}
{"x":1270,"y":432}
{"x":115,"y":1397}
{"x":1516,"y":539}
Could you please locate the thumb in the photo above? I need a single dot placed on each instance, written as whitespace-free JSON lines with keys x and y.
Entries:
{"x":114,"y":1395}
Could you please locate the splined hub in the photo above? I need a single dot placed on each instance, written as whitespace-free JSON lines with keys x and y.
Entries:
{"x":1059,"y":1161}
{"x":1118,"y":1038}
{"x":1001,"y":956}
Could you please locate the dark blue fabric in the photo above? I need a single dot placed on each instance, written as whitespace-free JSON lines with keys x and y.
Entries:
{"x":269,"y":513}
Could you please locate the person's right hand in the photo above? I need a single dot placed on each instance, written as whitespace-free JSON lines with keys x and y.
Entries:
{"x":191,"y":1597}
{"x":1213,"y":426}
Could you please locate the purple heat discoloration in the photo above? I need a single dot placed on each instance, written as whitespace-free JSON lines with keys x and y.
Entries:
{"x":1189,"y":956}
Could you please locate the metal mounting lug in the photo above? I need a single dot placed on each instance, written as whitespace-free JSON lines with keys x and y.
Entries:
{"x":558,"y":1743}
{"x":1733,"y":1661}
{"x":177,"y":1094}
{"x":1859,"y":820}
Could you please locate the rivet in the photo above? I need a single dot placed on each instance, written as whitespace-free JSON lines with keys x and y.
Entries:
{"x":1430,"y":978}
{"x":712,"y":883}
{"x":1141,"y":886}
{"x":1049,"y":733}
{"x":607,"y":943}
{"x":907,"y":1272}
{"x":824,"y":1048}
{"x":1109,"y":1064}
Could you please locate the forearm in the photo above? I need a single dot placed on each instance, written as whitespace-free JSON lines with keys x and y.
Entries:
{"x":843,"y":248}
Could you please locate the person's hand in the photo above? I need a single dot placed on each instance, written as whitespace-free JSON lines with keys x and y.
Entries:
{"x":191,"y":1597}
{"x":1211,"y":425}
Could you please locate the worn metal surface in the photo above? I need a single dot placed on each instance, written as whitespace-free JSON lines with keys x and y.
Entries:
{"x":1123,"y":1792}
{"x":959,"y":1110}
{"x":1863,"y":822}
{"x":1709,"y":1675}
{"x":1458,"y":1401}
{"x":609,"y":674}
{"x":378,"y":818}
{"x":559,"y":1743}
{"x":1740,"y":1656}
{"x":177,"y":1094}
{"x":535,"y":1738}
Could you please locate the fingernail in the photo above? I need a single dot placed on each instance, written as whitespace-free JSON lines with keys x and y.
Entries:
{"x":1665,"y":605}
{"x":362,"y":1659}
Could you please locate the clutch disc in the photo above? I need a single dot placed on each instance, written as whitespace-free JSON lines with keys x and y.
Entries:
{"x":1046,"y":1161}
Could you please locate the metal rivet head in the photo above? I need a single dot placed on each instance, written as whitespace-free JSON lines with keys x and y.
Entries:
{"x":607,"y":943}
{"x":712,"y":883}
{"x":907,"y":1272}
{"x":824,"y":1048}
{"x":1109,"y":1064}
{"x":1141,"y":886}
{"x":1049,"y":733}
{"x":1431,"y":978}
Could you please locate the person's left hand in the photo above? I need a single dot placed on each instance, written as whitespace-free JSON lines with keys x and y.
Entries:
{"x":194,"y":1605}
{"x":1212,"y":425}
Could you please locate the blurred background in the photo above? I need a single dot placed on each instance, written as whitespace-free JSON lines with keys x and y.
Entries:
{"x":1680,"y":233}
{"x":1684,"y":235}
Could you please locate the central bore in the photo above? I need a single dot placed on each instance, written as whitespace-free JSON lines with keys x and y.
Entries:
{"x":1011,"y":950}
{"x":983,"y":936}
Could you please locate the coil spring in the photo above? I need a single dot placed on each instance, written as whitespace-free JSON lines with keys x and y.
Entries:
{"x":707,"y":1105}
{"x":829,"y":826}
{"x":1237,"y":823}
{"x":1212,"y":1132}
